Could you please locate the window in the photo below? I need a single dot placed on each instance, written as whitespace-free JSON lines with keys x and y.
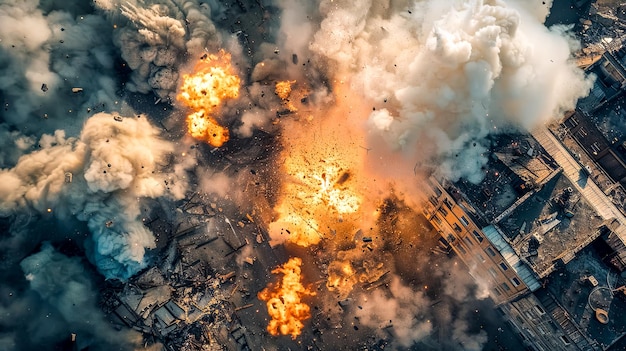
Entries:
{"x":565,"y":339}
{"x":443,"y":211}
{"x":448,"y":203}
{"x":468,"y":241}
{"x":571,"y":122}
{"x":515,"y":281}
{"x":504,"y":266}
{"x":433,"y":200}
{"x":464,"y":221}
{"x":437,"y":219}
{"x":478,"y":236}
{"x":539,"y":309}
{"x":496,"y":291}
{"x":462,"y":249}
{"x":457,"y":228}
{"x":506,"y":287}
{"x":490,"y":251}
{"x":435,"y":188}
{"x":493,"y":272}
{"x":595,"y":147}
{"x":451,"y":238}
{"x":480,"y":258}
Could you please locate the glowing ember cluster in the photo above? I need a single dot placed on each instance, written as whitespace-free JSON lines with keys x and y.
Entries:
{"x":203,"y":91}
{"x":284,"y":303}
{"x":283,"y":90}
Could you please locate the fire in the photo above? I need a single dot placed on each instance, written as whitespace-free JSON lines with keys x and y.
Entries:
{"x":341,"y":277}
{"x":283,"y":90}
{"x":214,"y":79}
{"x":318,"y":191}
{"x":283,"y":300}
{"x":325,"y":188}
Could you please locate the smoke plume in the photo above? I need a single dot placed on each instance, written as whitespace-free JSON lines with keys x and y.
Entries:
{"x":443,"y":75}
{"x":98,"y":178}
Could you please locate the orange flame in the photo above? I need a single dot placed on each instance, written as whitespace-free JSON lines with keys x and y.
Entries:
{"x":283,"y":300}
{"x":320,"y":190}
{"x":283,"y":90}
{"x":213,"y":80}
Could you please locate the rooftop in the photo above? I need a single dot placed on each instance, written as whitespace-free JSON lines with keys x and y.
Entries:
{"x":551,"y":226}
{"x":586,"y":285}
{"x":517,"y":166}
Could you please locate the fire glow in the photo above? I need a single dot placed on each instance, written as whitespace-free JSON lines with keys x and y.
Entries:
{"x":319,"y":189}
{"x":284,"y":303}
{"x":203,"y":91}
{"x":283,"y":91}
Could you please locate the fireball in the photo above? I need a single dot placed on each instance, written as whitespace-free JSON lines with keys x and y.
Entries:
{"x":203,"y":91}
{"x":284,"y":303}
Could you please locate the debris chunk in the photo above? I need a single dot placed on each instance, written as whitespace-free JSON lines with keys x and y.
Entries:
{"x":44,"y":87}
{"x":76,"y":90}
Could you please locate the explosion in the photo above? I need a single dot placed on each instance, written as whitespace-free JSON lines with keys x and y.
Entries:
{"x":283,"y":91}
{"x":318,"y":189}
{"x":203,"y":91}
{"x":283,"y":300}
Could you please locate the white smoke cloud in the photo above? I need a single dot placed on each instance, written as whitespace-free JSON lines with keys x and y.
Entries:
{"x":449,"y":73}
{"x":400,"y":311}
{"x":44,"y":56}
{"x":99,"y":178}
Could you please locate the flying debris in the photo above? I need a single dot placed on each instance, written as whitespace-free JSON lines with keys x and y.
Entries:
{"x":175,"y":152}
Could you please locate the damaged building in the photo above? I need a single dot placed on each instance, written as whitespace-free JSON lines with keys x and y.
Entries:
{"x":538,"y":243}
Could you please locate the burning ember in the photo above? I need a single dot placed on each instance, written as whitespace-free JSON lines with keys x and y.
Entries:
{"x":283,"y":301}
{"x":203,"y":91}
{"x":283,"y":88}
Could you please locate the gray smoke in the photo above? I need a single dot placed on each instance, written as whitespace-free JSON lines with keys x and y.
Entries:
{"x":98,"y":178}
{"x":157,"y":39}
{"x":43,"y":56}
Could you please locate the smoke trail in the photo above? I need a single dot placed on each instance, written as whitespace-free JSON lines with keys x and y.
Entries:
{"x":99,"y":178}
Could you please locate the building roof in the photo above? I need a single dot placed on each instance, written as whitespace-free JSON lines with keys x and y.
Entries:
{"x":551,"y":226}
{"x":518,"y":164}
